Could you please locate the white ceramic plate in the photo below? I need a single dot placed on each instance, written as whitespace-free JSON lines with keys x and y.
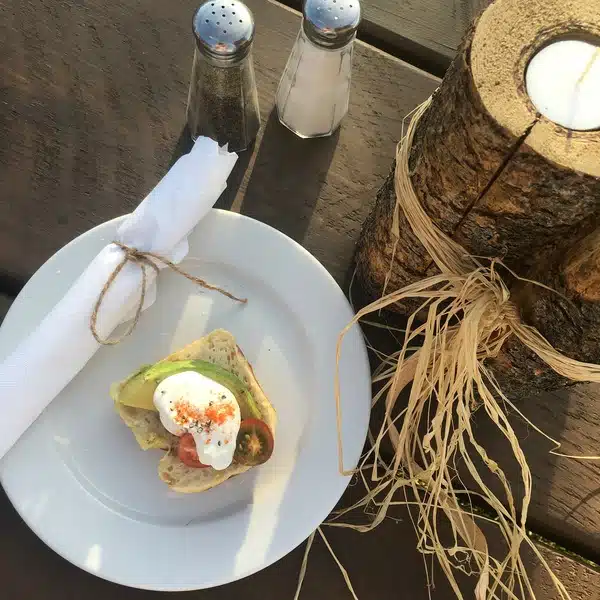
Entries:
{"x":81,"y":483}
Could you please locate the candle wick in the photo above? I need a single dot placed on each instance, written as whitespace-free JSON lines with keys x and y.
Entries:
{"x":577,"y":88}
{"x":588,"y":67}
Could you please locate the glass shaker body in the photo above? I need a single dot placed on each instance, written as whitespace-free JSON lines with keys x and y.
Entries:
{"x":313,"y":93}
{"x":314,"y":90}
{"x":223,"y":101}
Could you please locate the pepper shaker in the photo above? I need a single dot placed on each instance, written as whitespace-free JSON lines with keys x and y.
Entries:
{"x":313,"y":93}
{"x":222,"y":100}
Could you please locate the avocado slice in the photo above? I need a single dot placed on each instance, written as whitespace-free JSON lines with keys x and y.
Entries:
{"x":138,"y":390}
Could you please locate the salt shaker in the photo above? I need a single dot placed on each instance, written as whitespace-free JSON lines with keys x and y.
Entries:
{"x":222,"y":100}
{"x":312,"y":97}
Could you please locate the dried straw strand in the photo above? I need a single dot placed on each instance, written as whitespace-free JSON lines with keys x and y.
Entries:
{"x":469,"y":317}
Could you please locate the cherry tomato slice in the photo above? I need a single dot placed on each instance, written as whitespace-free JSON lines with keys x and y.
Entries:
{"x":186,"y":451}
{"x":254,"y":444}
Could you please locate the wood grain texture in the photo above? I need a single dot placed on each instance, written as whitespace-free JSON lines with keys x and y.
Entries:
{"x":94,"y":105}
{"x":582,"y":582}
{"x":488,"y":170}
{"x":566,"y":493}
{"x":424,"y":33}
{"x":92,"y":113}
{"x":487,"y":187}
{"x":381,"y":565}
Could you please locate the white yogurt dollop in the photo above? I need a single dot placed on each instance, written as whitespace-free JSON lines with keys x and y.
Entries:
{"x":191,"y":402}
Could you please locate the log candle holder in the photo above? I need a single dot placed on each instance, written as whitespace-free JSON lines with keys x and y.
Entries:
{"x":505,"y":182}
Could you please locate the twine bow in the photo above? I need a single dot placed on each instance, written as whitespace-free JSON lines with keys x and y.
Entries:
{"x":143,"y":260}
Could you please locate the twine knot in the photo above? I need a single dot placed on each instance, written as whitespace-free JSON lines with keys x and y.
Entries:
{"x":143,"y":260}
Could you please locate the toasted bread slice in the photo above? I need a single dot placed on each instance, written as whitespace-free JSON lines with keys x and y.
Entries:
{"x":219,"y":348}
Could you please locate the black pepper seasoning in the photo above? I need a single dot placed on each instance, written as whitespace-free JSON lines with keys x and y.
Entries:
{"x":223,"y":101}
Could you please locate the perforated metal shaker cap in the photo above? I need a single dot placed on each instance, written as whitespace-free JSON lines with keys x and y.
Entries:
{"x":224,"y":29}
{"x":331,"y":23}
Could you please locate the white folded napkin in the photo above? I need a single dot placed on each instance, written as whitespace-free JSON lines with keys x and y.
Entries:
{"x":60,"y":346}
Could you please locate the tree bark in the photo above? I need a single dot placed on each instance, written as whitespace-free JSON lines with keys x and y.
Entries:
{"x":507,"y":183}
{"x":568,"y":316}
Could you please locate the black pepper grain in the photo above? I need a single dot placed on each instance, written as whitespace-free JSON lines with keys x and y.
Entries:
{"x":223,"y":103}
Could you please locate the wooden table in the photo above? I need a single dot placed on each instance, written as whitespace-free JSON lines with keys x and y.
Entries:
{"x":91,"y":115}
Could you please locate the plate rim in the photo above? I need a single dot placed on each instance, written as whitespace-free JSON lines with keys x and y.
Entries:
{"x":270,"y":557}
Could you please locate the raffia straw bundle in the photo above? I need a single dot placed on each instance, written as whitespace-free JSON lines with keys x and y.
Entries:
{"x":487,"y":173}
{"x":469,"y":316}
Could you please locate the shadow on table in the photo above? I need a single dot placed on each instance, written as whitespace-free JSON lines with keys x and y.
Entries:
{"x":182,"y":146}
{"x":287,"y":178}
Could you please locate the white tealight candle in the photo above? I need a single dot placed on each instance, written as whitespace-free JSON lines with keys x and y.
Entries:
{"x":563,"y":82}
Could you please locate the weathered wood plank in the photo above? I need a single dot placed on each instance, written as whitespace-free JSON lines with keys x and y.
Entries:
{"x":580,"y":580}
{"x":93,"y":108}
{"x":424,"y":33}
{"x":566,"y":500}
{"x":381,"y":564}
{"x":94,"y":103}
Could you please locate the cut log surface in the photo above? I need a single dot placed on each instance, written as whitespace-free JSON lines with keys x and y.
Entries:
{"x":501,"y":180}
{"x":506,"y":183}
